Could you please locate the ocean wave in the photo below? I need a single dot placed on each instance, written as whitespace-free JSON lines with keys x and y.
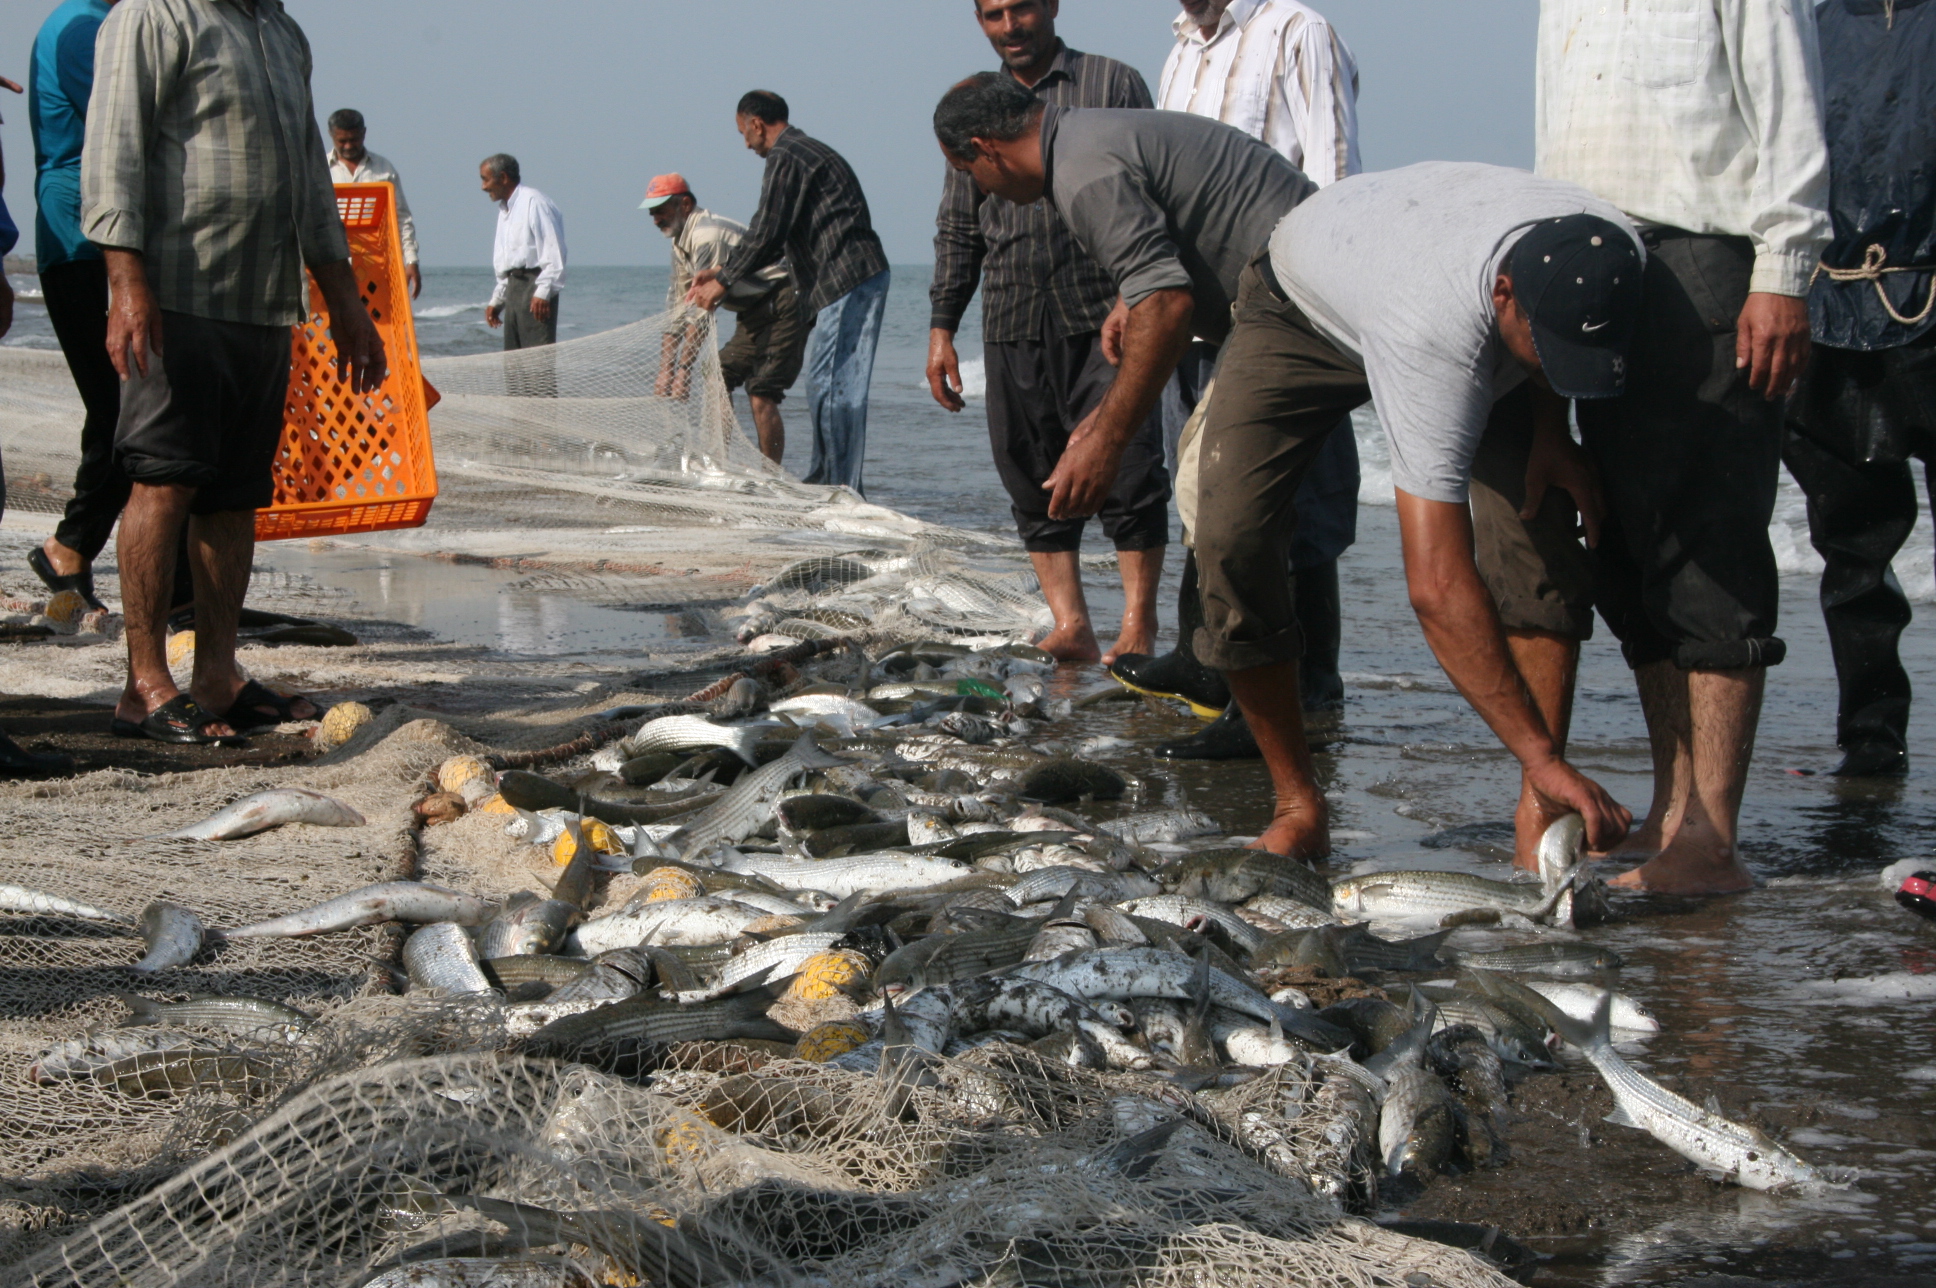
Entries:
{"x":449,"y":310}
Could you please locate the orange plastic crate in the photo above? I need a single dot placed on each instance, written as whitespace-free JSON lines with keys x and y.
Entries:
{"x":353,"y":462}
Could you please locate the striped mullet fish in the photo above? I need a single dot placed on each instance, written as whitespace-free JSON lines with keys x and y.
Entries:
{"x":750,"y":802}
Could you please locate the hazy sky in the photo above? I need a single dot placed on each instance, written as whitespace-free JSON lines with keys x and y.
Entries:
{"x":596,"y":96}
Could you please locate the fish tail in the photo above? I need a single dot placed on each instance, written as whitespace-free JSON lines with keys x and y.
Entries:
{"x":807,"y":752}
{"x":746,"y":741}
{"x":1592,"y":1034}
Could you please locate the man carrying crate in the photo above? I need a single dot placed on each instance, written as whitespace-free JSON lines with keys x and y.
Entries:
{"x":205,"y":183}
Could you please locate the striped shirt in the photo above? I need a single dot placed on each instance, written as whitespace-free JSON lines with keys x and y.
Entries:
{"x":813,"y":214}
{"x":202,"y":154}
{"x":1704,"y":115}
{"x":705,"y":241}
{"x":1276,"y":70}
{"x":1032,"y":274}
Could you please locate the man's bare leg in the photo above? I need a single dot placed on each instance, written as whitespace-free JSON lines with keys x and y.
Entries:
{"x":772,"y":430}
{"x":1074,"y":638}
{"x":1549,"y":663}
{"x":221,"y":548}
{"x":1702,"y":855}
{"x":150,"y":528}
{"x":1301,"y":823}
{"x":1141,"y":570}
{"x":1663,"y":702}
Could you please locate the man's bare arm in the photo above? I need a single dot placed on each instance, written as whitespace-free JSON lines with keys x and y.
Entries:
{"x":134,"y":320}
{"x":359,"y":349}
{"x":1462,"y":626}
{"x":1154,"y":339}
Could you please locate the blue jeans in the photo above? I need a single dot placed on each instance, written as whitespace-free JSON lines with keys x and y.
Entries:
{"x":1327,"y":500}
{"x":840,"y":367}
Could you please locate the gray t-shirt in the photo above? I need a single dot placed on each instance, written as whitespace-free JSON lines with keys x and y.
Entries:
{"x":1396,"y":269}
{"x":1167,"y":200}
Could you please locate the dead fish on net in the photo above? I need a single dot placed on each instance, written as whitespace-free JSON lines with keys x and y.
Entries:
{"x":1417,"y":1124}
{"x":83,"y":1057}
{"x":247,"y":1015}
{"x":149,"y":1064}
{"x":413,"y":901}
{"x":1162,"y":826}
{"x":528,"y":926}
{"x":173,"y":935}
{"x":620,"y":1035}
{"x":685,"y":733}
{"x":708,"y":919}
{"x":442,"y":957}
{"x":264,"y":810}
{"x":1441,"y":895}
{"x":1562,"y":960}
{"x":1234,"y":875}
{"x":485,"y":1272}
{"x":750,"y":801}
{"x":37,"y":903}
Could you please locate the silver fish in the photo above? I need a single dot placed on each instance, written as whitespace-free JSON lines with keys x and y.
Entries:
{"x":775,"y":958}
{"x":708,"y":919}
{"x":527,"y":926}
{"x":1580,"y":1001}
{"x":1416,"y":1122}
{"x":1188,"y":913}
{"x":412,"y":901}
{"x":173,"y":935}
{"x":1120,"y":974}
{"x":1055,"y":882}
{"x":826,"y":704}
{"x":443,"y":956}
{"x":1166,"y":825}
{"x":248,"y":1015}
{"x":264,"y":810}
{"x":1439,"y":894}
{"x":87,"y":1056}
{"x":749,"y":803}
{"x":683,"y":733}
{"x":1563,"y":959}
{"x":1561,"y":849}
{"x":1340,"y":1115}
{"x":851,"y":874}
{"x":1736,"y":1151}
{"x":1251,"y":1044}
{"x":1292,"y":913}
{"x":37,"y":903}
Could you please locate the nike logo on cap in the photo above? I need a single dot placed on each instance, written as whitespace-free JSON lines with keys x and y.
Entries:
{"x":1591,"y":327}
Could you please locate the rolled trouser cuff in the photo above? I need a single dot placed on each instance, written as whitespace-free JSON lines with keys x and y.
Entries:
{"x":1286,"y":645}
{"x":1731,"y":655}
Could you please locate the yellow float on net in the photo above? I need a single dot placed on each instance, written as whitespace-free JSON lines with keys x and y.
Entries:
{"x":339,"y":722}
{"x":827,"y":974}
{"x":823,"y":1042}
{"x":597,"y":835}
{"x":668,"y":883}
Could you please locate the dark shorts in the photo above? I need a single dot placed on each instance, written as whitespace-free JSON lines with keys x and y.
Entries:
{"x":209,"y":413}
{"x":1038,"y":392}
{"x":1538,"y":570}
{"x":1690,"y":457}
{"x":768,"y":346}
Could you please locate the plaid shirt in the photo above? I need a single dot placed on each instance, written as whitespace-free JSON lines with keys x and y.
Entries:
{"x":202,"y":154}
{"x":813,"y":213}
{"x":1023,"y":256}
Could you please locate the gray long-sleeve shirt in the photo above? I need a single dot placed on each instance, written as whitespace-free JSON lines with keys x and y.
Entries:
{"x":202,"y":153}
{"x":1167,"y":200}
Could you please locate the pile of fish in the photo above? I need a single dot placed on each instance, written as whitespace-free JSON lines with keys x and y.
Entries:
{"x":879,"y":877}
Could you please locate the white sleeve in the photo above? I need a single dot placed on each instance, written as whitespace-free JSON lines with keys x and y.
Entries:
{"x":1168,"y":79}
{"x":406,"y":226}
{"x":1319,"y":80}
{"x":1775,"y":56}
{"x":548,"y":223}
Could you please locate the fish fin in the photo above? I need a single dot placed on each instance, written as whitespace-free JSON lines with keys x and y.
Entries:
{"x":142,"y":1010}
{"x":807,"y":752}
{"x":746,"y":744}
{"x":1714,"y":1105}
{"x":752,"y":983}
{"x":754,"y":1001}
{"x":1621,"y":1118}
{"x":1425,"y":948}
{"x":1588,"y":1035}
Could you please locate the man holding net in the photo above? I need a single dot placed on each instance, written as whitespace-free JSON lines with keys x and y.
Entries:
{"x":770,"y":342}
{"x":205,"y":184}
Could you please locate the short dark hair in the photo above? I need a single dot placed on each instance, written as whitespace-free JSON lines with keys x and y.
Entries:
{"x":762,"y":105}
{"x":988,"y":105}
{"x":346,"y":118}
{"x":503,"y":165}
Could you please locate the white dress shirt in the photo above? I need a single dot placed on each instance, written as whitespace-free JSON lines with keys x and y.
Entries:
{"x":1698,"y":114}
{"x":530,"y":234}
{"x":376,"y":169}
{"x":1276,"y":70}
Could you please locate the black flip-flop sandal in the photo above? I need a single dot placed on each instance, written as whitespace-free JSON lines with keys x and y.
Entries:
{"x":82,"y":581}
{"x":178,"y":720}
{"x":246,"y":712}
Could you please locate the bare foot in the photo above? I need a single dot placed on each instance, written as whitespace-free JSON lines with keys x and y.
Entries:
{"x":134,"y":708}
{"x":300,"y":708}
{"x":1075,"y":643}
{"x":1685,"y":868}
{"x":64,"y":561}
{"x":1298,"y":830}
{"x":1133,"y":638}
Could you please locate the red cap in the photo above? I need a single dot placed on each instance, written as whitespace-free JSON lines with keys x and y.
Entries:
{"x":663,"y":188}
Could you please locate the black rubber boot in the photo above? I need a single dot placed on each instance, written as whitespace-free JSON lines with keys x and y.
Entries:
{"x":1177,"y":674}
{"x":1225,"y":738}
{"x":1873,"y":760}
{"x":1321,"y":623}
{"x":17,"y":762}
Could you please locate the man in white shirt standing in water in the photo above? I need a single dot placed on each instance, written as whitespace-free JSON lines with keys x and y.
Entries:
{"x":528,"y":256}
{"x":1702,"y":120}
{"x":351,"y":162}
{"x":1276,"y":70}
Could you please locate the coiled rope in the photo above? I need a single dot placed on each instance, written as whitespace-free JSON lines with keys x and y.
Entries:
{"x":1873,"y":268}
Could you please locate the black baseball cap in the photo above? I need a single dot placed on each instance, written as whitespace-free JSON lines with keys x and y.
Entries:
{"x":1578,"y":279}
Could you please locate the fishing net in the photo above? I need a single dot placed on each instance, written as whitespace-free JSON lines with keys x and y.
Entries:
{"x":993,"y":1168}
{"x":614,"y":468}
